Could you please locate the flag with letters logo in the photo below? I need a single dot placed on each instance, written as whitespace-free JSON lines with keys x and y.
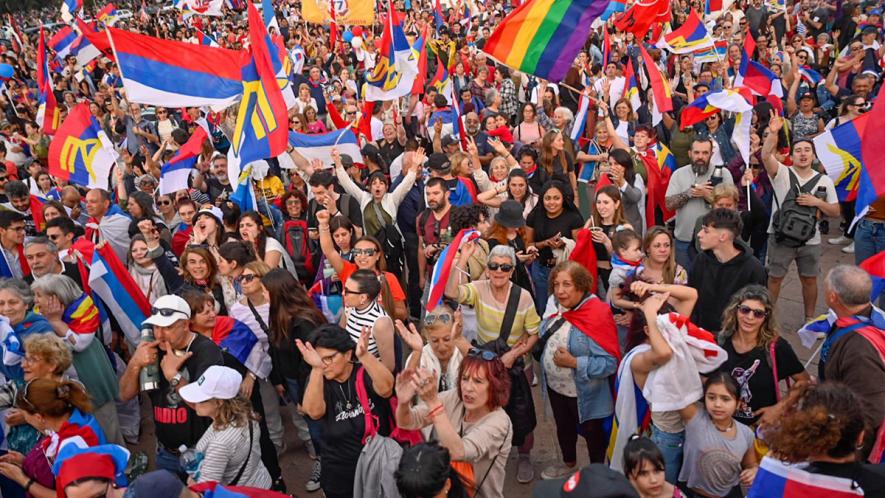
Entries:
{"x":397,"y":66}
{"x":80,"y":152}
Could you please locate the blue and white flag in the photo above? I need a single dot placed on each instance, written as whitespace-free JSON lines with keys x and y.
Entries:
{"x":320,"y":146}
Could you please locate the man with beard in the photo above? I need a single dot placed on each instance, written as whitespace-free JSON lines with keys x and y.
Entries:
{"x":690,"y":194}
{"x":434,"y":231}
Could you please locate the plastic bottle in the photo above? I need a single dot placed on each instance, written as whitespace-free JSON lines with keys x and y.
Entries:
{"x":190,"y":460}
{"x":149,"y":376}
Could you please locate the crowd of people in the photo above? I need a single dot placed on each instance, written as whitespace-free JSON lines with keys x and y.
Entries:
{"x":407,"y":308}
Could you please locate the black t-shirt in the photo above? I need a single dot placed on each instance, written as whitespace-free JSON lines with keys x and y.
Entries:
{"x":177,"y":423}
{"x":753,"y":373}
{"x":217,"y":189}
{"x":871,"y":478}
{"x":344,"y":425}
{"x":346,"y":205}
{"x":546,"y":227}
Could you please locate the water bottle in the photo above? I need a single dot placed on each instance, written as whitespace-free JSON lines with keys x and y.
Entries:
{"x":190,"y":460}
{"x":716,"y":179}
{"x":149,"y":376}
{"x":328,"y":271}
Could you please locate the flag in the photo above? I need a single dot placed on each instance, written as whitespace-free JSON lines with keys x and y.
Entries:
{"x":237,"y":339}
{"x":269,"y":16}
{"x":110,"y":280}
{"x":758,"y":78}
{"x":631,"y":87}
{"x":663,"y":95}
{"x":580,"y":118}
{"x":99,"y":40}
{"x":656,"y":188}
{"x":176,"y":74}
{"x":717,"y":52}
{"x":214,"y":490}
{"x":442,"y":82}
{"x":665,"y":157}
{"x":48,"y":113}
{"x":810,"y":76}
{"x":62,"y":42}
{"x":244,"y":194}
{"x":320,"y":146}
{"x":108,"y":15}
{"x":84,"y":51}
{"x":397,"y":65}
{"x":200,"y":7}
{"x":690,"y":37}
{"x":69,"y":9}
{"x":81,"y":316}
{"x":711,"y":103}
{"x":711,"y":6}
{"x":81,"y":153}
{"x":175,"y":174}
{"x":839,"y":151}
{"x":542,"y":37}
{"x":444,"y":264}
{"x":614,"y":7}
{"x":205,"y":39}
{"x":438,"y":18}
{"x":817,"y":328}
{"x":262,"y":120}
{"x":350,"y":13}
{"x":776,"y":479}
{"x":740,"y":135}
{"x":639,"y":18}
{"x":875,"y":266}
{"x":872,"y":174}
{"x":420,"y":46}
{"x":632,"y":412}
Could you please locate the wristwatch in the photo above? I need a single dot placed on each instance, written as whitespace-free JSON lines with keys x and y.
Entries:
{"x":175,"y":380}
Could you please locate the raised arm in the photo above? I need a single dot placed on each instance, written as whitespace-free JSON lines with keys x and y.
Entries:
{"x":660,"y":352}
{"x":326,"y":243}
{"x":772,"y":166}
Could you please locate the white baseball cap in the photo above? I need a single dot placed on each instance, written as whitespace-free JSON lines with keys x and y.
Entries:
{"x":217,"y":382}
{"x":168,"y":310}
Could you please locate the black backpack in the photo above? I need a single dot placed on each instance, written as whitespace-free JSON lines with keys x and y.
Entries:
{"x":794,"y":225}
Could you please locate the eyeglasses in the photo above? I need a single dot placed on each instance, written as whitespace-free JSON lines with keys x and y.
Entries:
{"x":746,"y":310}
{"x":350,"y":291}
{"x":364,"y":252}
{"x":248,"y":277}
{"x":485,"y":354}
{"x":430,"y":320}
{"x":164,"y":203}
{"x":327,"y":360}
{"x":505,"y":267}
{"x":54,"y":237}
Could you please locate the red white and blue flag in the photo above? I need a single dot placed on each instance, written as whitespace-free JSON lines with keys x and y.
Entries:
{"x":205,"y":39}
{"x":62,"y":42}
{"x":875,"y":266}
{"x":80,"y":152}
{"x":872,"y":174}
{"x":177,"y":74}
{"x":108,"y":15}
{"x":776,"y":479}
{"x":397,"y":65}
{"x":810,"y":76}
{"x":48,"y":113}
{"x":175,"y":174}
{"x":690,"y":37}
{"x":444,"y":264}
{"x":111,"y":282}
{"x":580,"y":117}
{"x":319,"y":146}
{"x":237,"y":339}
{"x":69,"y":9}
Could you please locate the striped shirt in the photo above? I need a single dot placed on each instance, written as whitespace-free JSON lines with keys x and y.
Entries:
{"x":225,"y":450}
{"x":357,"y":319}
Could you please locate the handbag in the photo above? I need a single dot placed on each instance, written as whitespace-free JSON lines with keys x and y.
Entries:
{"x":499,"y":346}
{"x":401,"y":436}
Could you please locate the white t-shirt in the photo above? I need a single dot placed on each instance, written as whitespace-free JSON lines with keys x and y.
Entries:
{"x":781,"y":184}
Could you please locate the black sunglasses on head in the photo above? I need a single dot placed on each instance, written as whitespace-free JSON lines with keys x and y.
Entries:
{"x":482,"y":353}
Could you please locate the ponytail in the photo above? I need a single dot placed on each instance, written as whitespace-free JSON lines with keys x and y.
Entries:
{"x":52,"y":398}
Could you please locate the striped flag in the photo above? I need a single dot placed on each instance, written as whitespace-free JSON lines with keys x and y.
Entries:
{"x":631,"y":87}
{"x":319,"y":146}
{"x":690,"y":37}
{"x":580,"y":117}
{"x":108,"y":15}
{"x":663,"y":95}
{"x":444,"y":264}
{"x":205,"y":39}
{"x":110,"y":280}
{"x":69,"y":9}
{"x":175,"y":174}
{"x":810,"y":76}
{"x":776,"y":479}
{"x":48,"y":112}
{"x":839,"y":151}
{"x":875,"y":266}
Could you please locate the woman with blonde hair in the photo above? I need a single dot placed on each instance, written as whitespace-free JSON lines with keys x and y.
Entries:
{"x":230,"y":447}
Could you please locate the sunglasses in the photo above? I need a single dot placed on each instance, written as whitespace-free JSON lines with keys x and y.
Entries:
{"x":166,"y":312}
{"x":164,"y":203}
{"x":350,"y":291}
{"x":505,"y":267}
{"x":248,"y":277}
{"x":746,"y":310}
{"x":482,"y":353}
{"x":430,"y":320}
{"x":364,"y":252}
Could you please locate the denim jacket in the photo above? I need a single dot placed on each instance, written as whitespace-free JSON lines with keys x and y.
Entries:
{"x":592,"y":375}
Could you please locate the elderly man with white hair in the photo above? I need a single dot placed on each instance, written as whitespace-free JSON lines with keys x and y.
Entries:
{"x":854,"y":347}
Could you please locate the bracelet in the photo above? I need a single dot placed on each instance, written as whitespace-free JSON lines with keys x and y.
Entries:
{"x":31,"y":482}
{"x":436,"y":411}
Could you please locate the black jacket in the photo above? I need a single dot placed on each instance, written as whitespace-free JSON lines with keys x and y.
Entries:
{"x":716,"y":282}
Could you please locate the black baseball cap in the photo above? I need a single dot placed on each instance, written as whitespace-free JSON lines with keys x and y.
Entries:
{"x":593,"y":481}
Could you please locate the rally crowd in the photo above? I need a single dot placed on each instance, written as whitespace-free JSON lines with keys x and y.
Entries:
{"x":430,"y":290}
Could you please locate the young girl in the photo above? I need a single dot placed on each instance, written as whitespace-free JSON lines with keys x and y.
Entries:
{"x":719,"y":455}
{"x":644,"y":467}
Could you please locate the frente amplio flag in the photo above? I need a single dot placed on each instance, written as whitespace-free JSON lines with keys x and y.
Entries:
{"x":80,"y":152}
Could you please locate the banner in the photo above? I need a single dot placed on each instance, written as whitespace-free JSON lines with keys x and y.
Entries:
{"x":347,"y":12}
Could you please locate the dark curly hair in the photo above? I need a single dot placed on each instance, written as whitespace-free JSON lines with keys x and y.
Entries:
{"x":467,"y":216}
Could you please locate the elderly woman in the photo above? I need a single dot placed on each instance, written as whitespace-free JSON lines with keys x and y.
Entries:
{"x":506,"y":323}
{"x":440,"y":355}
{"x":577,"y":363}
{"x":469,"y":420}
{"x":61,"y":409}
{"x":74,"y":317}
{"x":16,"y":299}
{"x":46,"y":357}
{"x":331,"y":398}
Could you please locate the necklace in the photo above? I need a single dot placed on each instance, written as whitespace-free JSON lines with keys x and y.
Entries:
{"x":726,"y":429}
{"x":348,"y":406}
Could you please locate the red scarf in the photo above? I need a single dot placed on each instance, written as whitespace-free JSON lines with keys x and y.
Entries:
{"x":594,"y":318}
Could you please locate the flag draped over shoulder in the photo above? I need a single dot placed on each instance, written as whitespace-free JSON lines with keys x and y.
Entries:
{"x":81,"y":153}
{"x":48,"y":112}
{"x":444,"y":264}
{"x":690,"y":37}
{"x":396,"y":69}
{"x":776,"y":479}
{"x":111,"y":282}
{"x":176,"y":74}
{"x":542,"y":37}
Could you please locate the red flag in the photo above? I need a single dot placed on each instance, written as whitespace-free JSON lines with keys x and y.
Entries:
{"x":749,"y":44}
{"x":658,"y":181}
{"x":585,"y":254}
{"x":98,"y":39}
{"x":639,"y":18}
{"x":418,"y":86}
{"x":48,"y":110}
{"x":335,"y":116}
{"x":659,"y":83}
{"x":365,"y":124}
{"x":872,"y":145}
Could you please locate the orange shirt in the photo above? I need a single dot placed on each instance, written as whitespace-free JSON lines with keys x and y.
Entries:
{"x":396,"y":290}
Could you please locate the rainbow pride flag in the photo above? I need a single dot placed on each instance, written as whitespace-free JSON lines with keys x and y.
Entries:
{"x":542,"y":37}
